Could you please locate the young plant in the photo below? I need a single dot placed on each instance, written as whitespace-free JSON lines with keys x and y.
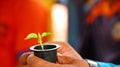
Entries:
{"x":39,"y":37}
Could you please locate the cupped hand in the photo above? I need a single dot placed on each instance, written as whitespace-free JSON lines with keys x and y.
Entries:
{"x":67,"y":57}
{"x":66,"y":50}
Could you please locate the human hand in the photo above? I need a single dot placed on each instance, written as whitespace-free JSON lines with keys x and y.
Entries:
{"x":67,"y":57}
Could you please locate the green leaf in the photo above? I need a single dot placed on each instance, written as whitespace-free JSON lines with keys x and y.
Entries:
{"x":45,"y":34}
{"x":31,"y":35}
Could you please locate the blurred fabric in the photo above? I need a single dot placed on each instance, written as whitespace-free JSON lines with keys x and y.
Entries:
{"x":75,"y":16}
{"x":100,"y":36}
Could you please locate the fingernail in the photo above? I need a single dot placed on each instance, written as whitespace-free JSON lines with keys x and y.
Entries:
{"x":29,"y":57}
{"x":59,"y":54}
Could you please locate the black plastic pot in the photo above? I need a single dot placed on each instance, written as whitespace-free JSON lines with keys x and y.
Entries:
{"x":49,"y":53}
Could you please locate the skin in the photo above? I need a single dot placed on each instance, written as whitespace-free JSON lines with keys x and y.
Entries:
{"x":67,"y":57}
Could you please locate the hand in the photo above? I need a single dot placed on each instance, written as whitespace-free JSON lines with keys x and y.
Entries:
{"x":67,"y":57}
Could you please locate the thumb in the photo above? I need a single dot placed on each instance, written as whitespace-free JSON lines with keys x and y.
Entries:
{"x":23,"y":58}
{"x":64,"y":59}
{"x":34,"y":61}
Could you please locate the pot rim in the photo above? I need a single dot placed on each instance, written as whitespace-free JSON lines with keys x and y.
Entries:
{"x":33,"y":47}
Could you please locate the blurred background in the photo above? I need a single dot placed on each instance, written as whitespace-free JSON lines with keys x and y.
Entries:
{"x":92,"y":27}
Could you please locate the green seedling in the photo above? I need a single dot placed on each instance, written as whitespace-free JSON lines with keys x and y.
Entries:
{"x":39,"y":37}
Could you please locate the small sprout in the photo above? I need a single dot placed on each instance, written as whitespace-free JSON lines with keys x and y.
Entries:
{"x":38,"y":36}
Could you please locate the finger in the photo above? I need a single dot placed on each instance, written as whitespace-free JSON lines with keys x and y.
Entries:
{"x":61,"y":43}
{"x":71,"y":61}
{"x":34,"y":61}
{"x":66,"y":49}
{"x":64,"y":46}
{"x":63,"y":59}
{"x":23,"y":58}
{"x":26,"y":66}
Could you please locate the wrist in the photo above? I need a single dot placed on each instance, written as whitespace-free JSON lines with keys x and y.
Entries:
{"x":92,"y":63}
{"x":86,"y":64}
{"x":81,"y":63}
